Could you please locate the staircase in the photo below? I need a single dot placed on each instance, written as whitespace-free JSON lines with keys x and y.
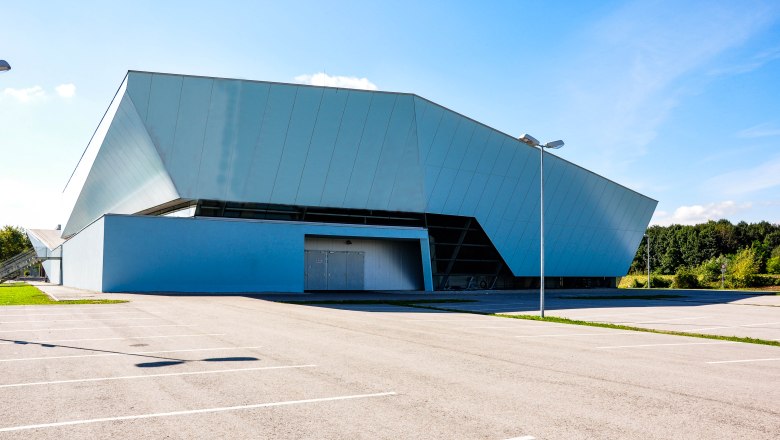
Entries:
{"x":11,"y":267}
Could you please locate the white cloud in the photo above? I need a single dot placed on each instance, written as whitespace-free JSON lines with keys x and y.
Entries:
{"x":748,"y":180}
{"x":25,"y":95}
{"x":759,"y":131}
{"x":349,"y":82}
{"x":66,"y":90}
{"x":694,"y":214}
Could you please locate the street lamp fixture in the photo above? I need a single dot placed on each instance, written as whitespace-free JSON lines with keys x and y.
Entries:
{"x":554,"y":145}
{"x":4,"y":66}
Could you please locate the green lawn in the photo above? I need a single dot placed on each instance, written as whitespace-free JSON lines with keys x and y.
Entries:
{"x":21,"y":294}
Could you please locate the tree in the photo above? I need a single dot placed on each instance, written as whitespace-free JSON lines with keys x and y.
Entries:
{"x":13,"y":241}
{"x":744,"y":267}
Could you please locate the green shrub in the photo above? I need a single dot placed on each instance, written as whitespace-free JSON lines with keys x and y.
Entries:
{"x":773,"y":265}
{"x":709,"y":270}
{"x":659,"y":282}
{"x":685,"y":279}
{"x":744,"y":268}
{"x":636,"y":284}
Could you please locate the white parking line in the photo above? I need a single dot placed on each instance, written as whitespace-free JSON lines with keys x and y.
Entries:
{"x":76,"y":320}
{"x":93,"y":328}
{"x":734,"y":326}
{"x":132,"y":353}
{"x":196,"y":411}
{"x":525,"y":437}
{"x":146,"y":376}
{"x":16,"y":315}
{"x":110,"y":339}
{"x":744,"y":360}
{"x":588,"y":318}
{"x":670,"y":345}
{"x":653,"y":321}
{"x":579,"y":334}
{"x":61,"y":307}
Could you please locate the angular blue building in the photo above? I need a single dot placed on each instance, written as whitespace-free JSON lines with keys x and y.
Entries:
{"x":196,"y":184}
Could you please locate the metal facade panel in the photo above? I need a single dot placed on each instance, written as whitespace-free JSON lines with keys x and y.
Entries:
{"x":127,"y":174}
{"x":185,"y":160}
{"x":393,"y":153}
{"x":160,"y":120}
{"x":408,"y":193}
{"x":444,"y":181}
{"x":457,"y":192}
{"x":297,"y":144}
{"x":472,"y":195}
{"x":323,"y":142}
{"x":442,"y":140}
{"x":251,"y":107}
{"x":345,"y":150}
{"x":372,"y":140}
{"x":139,"y":88}
{"x":267,"y":153}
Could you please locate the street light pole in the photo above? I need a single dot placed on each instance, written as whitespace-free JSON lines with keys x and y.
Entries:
{"x":530,"y":140}
{"x":648,"y":260}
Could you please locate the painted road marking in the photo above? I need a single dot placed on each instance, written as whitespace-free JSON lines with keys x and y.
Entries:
{"x":589,"y":317}
{"x":145,"y":376}
{"x":110,"y":339}
{"x":133,"y":353}
{"x":196,"y":411}
{"x":94,"y":328}
{"x":735,"y":326}
{"x":525,"y":437}
{"x":665,"y":320}
{"x":16,"y":315}
{"x":670,"y":345}
{"x":744,"y":360}
{"x":579,"y":334}
{"x":76,"y":320}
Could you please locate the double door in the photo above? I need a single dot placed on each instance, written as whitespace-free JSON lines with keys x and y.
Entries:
{"x":334,"y":270}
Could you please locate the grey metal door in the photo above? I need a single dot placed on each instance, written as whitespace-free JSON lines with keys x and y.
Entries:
{"x":337,"y":270}
{"x":355,"y":269}
{"x":315,"y":275}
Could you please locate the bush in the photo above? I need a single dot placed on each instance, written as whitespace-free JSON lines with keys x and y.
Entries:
{"x":660,"y":282}
{"x":685,"y":279}
{"x":773,"y":265}
{"x":636,"y":284}
{"x":744,"y":268}
{"x":709,"y":270}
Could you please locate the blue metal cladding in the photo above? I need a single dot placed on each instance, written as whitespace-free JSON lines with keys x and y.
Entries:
{"x":260,"y":142}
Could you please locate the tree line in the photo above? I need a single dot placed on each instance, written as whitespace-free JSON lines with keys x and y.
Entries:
{"x":745,"y":250}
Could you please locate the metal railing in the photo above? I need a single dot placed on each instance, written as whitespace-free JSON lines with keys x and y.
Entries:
{"x":11,"y":266}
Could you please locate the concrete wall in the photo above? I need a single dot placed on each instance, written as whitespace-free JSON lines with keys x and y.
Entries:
{"x":82,"y":258}
{"x":52,"y":267}
{"x":389,"y":264}
{"x":168,"y":254}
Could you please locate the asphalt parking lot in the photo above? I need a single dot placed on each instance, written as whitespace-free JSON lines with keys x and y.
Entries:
{"x":246,"y":367}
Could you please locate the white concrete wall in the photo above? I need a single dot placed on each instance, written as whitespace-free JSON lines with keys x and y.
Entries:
{"x":82,"y":258}
{"x":52,"y":267}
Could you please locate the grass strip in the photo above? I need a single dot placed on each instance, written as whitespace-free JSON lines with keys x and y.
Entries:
{"x":22,"y":294}
{"x":559,"y":320}
{"x":659,"y":296}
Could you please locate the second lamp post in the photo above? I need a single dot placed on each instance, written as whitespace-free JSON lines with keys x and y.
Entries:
{"x":530,"y":140}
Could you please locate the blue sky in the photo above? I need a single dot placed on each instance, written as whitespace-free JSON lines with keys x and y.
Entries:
{"x":679,"y":100}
